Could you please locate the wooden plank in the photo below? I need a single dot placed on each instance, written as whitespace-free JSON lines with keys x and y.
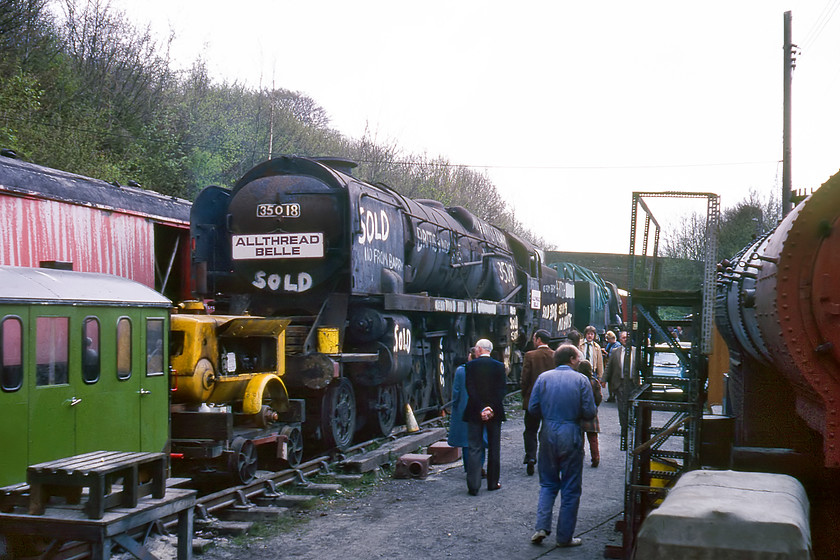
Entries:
{"x":134,"y":547}
{"x":232,"y":528}
{"x":72,"y":459}
{"x":313,"y":488}
{"x":284,"y":500}
{"x":391,"y":451}
{"x":254,"y":513}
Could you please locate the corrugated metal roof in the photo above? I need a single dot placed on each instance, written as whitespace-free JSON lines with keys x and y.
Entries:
{"x":28,"y":179}
{"x":49,"y":286}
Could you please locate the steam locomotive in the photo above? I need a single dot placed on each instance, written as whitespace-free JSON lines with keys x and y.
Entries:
{"x":778,"y":309}
{"x":384,"y":295}
{"x":336,"y":302}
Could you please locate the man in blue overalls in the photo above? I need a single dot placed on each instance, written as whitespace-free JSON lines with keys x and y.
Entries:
{"x":562,"y":397}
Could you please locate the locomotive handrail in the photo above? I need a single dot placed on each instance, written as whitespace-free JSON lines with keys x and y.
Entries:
{"x":512,"y":293}
{"x":474,"y":263}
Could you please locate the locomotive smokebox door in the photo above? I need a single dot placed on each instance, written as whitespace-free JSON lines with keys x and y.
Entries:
{"x":287,"y":234}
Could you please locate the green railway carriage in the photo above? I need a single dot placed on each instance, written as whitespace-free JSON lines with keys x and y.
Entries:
{"x":83,"y":367}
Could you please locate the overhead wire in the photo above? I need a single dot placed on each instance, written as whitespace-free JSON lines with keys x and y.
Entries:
{"x":820,"y":24}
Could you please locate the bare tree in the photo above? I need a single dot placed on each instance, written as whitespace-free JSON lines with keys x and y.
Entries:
{"x":24,"y":28}
{"x":120,"y":69}
{"x":739,"y":224}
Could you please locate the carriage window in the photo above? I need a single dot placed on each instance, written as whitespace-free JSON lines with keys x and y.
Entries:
{"x":51,"y":347}
{"x":11,"y":354}
{"x":154,"y":347}
{"x":176,"y":343}
{"x":124,"y":348}
{"x":90,"y":350}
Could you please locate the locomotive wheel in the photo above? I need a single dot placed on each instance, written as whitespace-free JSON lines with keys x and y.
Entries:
{"x":418,"y":388}
{"x":242,"y":463}
{"x":385,"y":408}
{"x":338,"y":415}
{"x":294,"y":445}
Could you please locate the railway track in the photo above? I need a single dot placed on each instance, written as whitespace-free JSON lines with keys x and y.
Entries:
{"x":272,"y":494}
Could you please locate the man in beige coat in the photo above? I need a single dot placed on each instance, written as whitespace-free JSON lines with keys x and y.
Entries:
{"x":591,"y":352}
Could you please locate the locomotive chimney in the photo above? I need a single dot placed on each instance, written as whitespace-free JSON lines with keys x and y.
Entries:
{"x":342,"y":165}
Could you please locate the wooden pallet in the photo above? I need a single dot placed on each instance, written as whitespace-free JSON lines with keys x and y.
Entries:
{"x":139,"y":474}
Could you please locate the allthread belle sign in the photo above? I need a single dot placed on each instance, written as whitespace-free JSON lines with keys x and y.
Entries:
{"x":278,"y":246}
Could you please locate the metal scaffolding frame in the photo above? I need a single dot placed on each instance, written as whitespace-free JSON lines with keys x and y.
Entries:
{"x":665,"y":412}
{"x":644,"y":269}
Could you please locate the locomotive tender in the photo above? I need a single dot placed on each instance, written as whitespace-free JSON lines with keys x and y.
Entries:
{"x":383,"y":294}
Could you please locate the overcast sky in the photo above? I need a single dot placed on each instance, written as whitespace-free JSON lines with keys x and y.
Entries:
{"x":568,"y":107}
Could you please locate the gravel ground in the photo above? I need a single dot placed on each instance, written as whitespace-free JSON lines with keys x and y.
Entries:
{"x":436,"y":517}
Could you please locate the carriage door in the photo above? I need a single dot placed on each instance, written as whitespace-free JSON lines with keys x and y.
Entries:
{"x":14,"y":394}
{"x":104,"y":417}
{"x":154,"y":388}
{"x":53,"y":399}
{"x":109,"y":419}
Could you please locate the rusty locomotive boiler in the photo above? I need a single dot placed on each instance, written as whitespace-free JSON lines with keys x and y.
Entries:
{"x":383,"y":294}
{"x":778,"y":309}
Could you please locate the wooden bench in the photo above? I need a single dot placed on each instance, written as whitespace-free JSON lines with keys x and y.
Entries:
{"x":63,"y":524}
{"x":140,"y":474}
{"x":14,"y":495}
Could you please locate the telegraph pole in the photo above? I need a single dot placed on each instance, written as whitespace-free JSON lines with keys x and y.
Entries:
{"x":786,"y":151}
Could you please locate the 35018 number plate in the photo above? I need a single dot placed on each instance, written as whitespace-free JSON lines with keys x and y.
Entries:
{"x":288,"y":210}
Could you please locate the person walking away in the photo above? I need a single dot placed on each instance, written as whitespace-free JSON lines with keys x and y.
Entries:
{"x":592,"y":427}
{"x":457,"y":427}
{"x":562,"y":397}
{"x":485,"y":382}
{"x":536,"y":361}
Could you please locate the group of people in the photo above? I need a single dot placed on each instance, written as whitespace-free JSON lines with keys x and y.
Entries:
{"x":561,"y":391}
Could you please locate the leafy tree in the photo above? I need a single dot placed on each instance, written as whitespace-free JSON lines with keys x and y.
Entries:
{"x":745,"y":221}
{"x":91,"y":94}
{"x":19,"y":100}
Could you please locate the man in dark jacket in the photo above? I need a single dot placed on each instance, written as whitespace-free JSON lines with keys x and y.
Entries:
{"x":485,"y":381}
{"x":536,"y":361}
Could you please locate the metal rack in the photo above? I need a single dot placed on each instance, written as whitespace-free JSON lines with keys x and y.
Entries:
{"x":665,"y":411}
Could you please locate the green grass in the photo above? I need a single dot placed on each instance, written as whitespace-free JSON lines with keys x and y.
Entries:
{"x":351,"y":490}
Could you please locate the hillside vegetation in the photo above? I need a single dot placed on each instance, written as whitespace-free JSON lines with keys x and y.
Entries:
{"x":85,"y":91}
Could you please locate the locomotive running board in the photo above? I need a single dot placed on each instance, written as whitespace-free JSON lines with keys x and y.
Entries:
{"x":415,"y":302}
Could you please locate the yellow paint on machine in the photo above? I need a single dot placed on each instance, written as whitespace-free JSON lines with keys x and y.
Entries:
{"x":328,"y":340}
